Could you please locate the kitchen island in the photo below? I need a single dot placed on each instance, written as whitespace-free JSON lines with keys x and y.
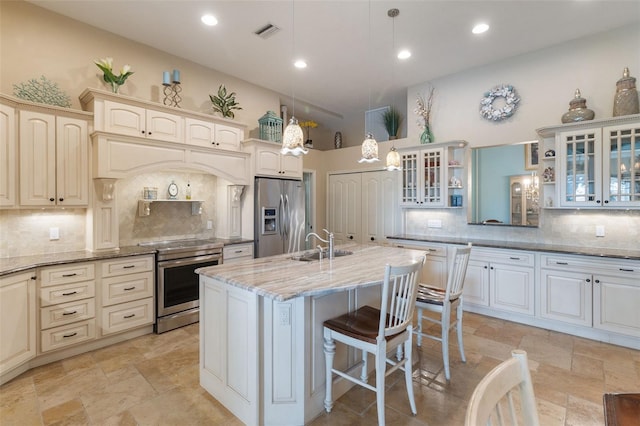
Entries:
{"x":261,"y":345}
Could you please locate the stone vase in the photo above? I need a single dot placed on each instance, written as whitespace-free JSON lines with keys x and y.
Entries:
{"x":625,"y":101}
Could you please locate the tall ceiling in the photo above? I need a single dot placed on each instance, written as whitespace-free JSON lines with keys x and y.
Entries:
{"x":348,"y":44}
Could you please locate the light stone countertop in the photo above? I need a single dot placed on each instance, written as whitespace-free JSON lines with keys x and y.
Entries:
{"x":282,"y":278}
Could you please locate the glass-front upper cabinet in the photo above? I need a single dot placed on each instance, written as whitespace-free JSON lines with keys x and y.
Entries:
{"x":622,"y":169}
{"x":600,"y":167}
{"x":422,"y":178}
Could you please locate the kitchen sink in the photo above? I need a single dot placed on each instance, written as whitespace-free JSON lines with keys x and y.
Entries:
{"x":315,"y":255}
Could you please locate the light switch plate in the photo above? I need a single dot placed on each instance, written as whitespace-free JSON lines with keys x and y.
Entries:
{"x":209,"y":224}
{"x":599,"y":230}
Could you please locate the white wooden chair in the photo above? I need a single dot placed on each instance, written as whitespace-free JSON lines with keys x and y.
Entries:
{"x":444,"y":301}
{"x":378,"y":331}
{"x":505,"y":395}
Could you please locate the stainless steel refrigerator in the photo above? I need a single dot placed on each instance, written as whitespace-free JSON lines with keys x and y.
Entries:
{"x":279,"y":216}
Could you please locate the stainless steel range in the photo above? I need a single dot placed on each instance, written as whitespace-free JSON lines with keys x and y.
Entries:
{"x":177,"y":285}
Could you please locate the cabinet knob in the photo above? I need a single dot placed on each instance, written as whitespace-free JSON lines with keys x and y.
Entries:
{"x":597,"y":281}
{"x":52,"y":199}
{"x":485,"y":266}
{"x":492,"y":268}
{"x":606,"y":201}
{"x":142,"y":131}
{"x":149,"y":133}
{"x":373,"y":239}
{"x":351,"y":237}
{"x":61,"y":199}
{"x":588,"y":280}
{"x":597,"y":201}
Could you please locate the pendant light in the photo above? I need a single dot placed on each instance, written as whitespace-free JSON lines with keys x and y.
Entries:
{"x":369,"y":145}
{"x":393,"y":158}
{"x":292,"y":137}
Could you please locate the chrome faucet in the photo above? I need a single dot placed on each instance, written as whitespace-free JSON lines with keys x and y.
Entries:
{"x":329,"y":241}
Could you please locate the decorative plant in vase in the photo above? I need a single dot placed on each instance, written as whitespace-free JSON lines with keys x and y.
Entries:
{"x":309,"y":125}
{"x":106,"y":65}
{"x":423,"y":109}
{"x":391,"y":120}
{"x":224,"y":103}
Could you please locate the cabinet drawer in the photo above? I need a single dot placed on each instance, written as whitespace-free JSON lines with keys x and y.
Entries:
{"x":127,"y":288}
{"x":507,"y":257}
{"x":67,"y":335}
{"x":621,"y":267}
{"x":431,"y":249}
{"x":127,"y":315}
{"x":236,"y":251}
{"x":69,"y":273}
{"x":66,"y":313}
{"x":67,"y":293}
{"x":127,"y":265}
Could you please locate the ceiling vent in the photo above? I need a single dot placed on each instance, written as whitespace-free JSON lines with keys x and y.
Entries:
{"x":266,"y":31}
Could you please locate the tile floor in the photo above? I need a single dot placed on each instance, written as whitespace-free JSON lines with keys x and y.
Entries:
{"x":153,"y":380}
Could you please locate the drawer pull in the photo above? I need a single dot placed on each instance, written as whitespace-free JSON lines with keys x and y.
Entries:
{"x":129,"y":288}
{"x":238,"y":251}
{"x":69,"y":294}
{"x":69,"y":275}
{"x":432,"y":249}
{"x":626,"y":270}
{"x":562,"y":263}
{"x":128,"y":266}
{"x":129,"y":316}
{"x":69,"y":335}
{"x":514,"y":258}
{"x":70,"y":313}
{"x":399,"y":246}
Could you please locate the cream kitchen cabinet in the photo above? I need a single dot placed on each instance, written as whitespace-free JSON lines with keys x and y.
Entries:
{"x":501,"y":279}
{"x":268,"y":161}
{"x":379,"y":206}
{"x":237,"y":253}
{"x":345,"y":207}
{"x":212,"y":135}
{"x":67,"y":305}
{"x":8,"y":155}
{"x":433,"y":175}
{"x":54,"y":160}
{"x":435,"y":269}
{"x":132,"y":120}
{"x":127,"y":293}
{"x":598,"y":293}
{"x":597,"y":163}
{"x":18,"y":325}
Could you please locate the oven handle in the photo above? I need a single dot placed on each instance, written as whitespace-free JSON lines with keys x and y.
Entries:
{"x":189,"y":261}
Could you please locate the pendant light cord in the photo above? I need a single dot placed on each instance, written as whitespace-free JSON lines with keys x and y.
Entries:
{"x":293,"y":55}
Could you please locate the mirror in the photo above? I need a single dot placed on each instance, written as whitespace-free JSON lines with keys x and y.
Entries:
{"x":504,"y":185}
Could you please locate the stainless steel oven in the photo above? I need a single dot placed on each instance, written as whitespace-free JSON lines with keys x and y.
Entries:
{"x":177,"y":285}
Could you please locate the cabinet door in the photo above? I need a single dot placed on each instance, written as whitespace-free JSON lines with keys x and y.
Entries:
{"x":476,"y":284}
{"x":164,"y":127}
{"x":581,"y":168}
{"x":199,"y":132}
{"x":566,"y":296}
{"x":291,"y":166}
{"x":621,"y":166}
{"x":18,"y":325}
{"x":411,"y":180}
{"x":433,"y":184}
{"x":8,"y":156}
{"x":124,"y":119}
{"x":616,"y":303}
{"x":345,"y":208}
{"x":72,"y":162}
{"x":268,"y":162}
{"x":512,"y":288}
{"x":37,"y":159}
{"x":371,"y":207}
{"x":227,"y":137}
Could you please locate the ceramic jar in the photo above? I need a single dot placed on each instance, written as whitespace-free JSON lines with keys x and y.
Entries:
{"x":578,"y":110}
{"x":625,"y":101}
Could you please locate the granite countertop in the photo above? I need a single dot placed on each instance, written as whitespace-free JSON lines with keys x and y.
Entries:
{"x":520,"y":245}
{"x":10,"y":265}
{"x":282,"y":278}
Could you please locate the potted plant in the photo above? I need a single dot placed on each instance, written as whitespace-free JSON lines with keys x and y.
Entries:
{"x":224,"y":103}
{"x":391,"y":120}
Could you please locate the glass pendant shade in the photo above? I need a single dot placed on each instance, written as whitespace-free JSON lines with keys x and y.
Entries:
{"x":292,"y":139}
{"x":393,"y":160}
{"x":369,"y":150}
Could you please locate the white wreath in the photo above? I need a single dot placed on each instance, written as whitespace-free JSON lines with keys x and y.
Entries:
{"x":496,"y":114}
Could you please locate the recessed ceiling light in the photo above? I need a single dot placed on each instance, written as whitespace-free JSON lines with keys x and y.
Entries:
{"x":300,"y":63}
{"x":480,"y":28}
{"x":404,"y":54}
{"x":209,"y":20}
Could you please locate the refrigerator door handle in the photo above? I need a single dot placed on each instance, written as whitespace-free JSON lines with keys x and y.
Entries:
{"x":280,"y":216}
{"x":287,"y":219}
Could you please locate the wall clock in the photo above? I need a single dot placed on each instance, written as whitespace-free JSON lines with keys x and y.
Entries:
{"x":173,"y":190}
{"x":499,"y":103}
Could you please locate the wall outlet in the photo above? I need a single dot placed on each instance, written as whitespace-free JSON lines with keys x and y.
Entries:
{"x":434,"y":223}
{"x":209,"y":224}
{"x":599,"y":230}
{"x":284,"y":314}
{"x":54,"y":233}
